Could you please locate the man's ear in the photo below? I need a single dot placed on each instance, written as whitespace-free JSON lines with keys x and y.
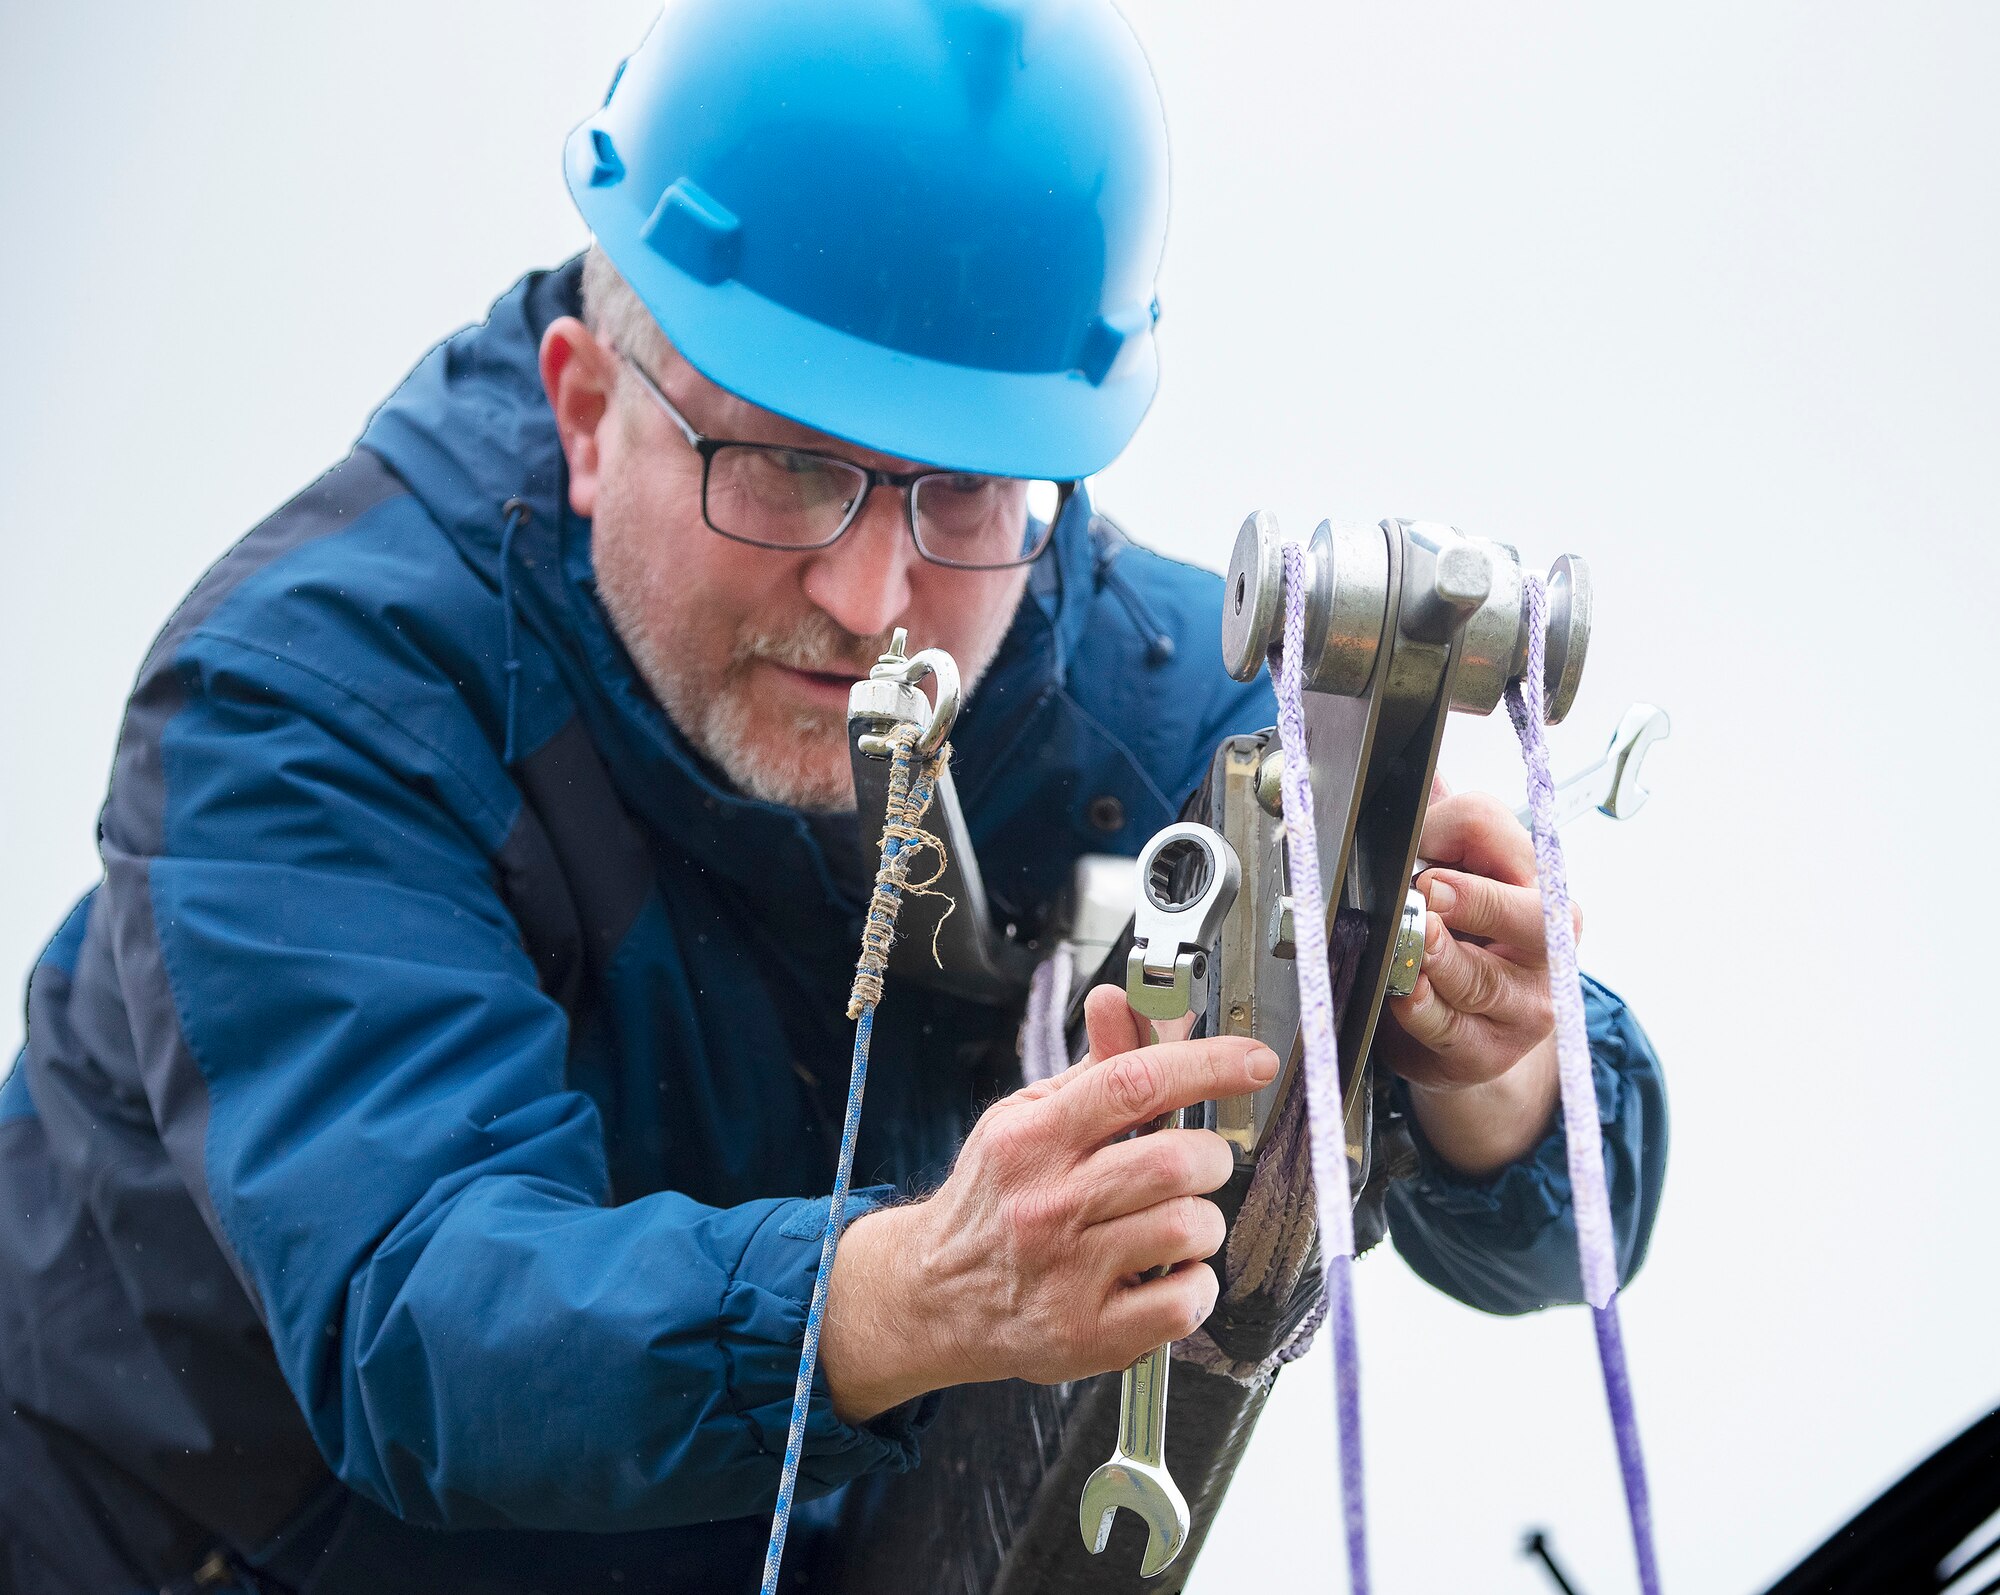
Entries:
{"x":579,"y":375}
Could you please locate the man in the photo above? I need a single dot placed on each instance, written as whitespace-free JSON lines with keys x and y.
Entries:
{"x":410,"y":1177}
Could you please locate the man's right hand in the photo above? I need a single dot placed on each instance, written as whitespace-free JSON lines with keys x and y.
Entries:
{"x":1030,"y":1261}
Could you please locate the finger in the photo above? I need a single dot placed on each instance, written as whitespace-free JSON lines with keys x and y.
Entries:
{"x":1156,"y":1312}
{"x":1136,"y":1087}
{"x":1439,"y":789}
{"x":1129,"y":1176}
{"x":1477,"y":832}
{"x":1473,"y":905}
{"x":1476,"y":980}
{"x":1183,"y":1230}
{"x":1111,"y":1024}
{"x":1428,"y":1020}
{"x":1538,"y":953}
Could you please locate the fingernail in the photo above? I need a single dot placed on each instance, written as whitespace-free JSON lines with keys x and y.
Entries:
{"x":1443,"y":898}
{"x":1263,"y":1065}
{"x":1434,"y":934}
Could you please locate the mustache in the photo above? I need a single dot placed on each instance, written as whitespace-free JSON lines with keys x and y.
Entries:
{"x":816,"y":643}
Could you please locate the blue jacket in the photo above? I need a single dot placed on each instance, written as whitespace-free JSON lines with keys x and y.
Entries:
{"x":423,"y":1125}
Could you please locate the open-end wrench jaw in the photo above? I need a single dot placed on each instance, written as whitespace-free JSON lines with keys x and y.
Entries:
{"x":1612,"y":785}
{"x":1642,"y":726}
{"x":1146,"y":1489}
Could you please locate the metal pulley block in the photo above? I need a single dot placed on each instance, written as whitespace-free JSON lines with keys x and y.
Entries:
{"x":1403,"y":622}
{"x":1435,"y":577}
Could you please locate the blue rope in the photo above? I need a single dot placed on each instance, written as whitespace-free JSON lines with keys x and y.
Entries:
{"x":882,"y":907}
{"x":781,"y":1519}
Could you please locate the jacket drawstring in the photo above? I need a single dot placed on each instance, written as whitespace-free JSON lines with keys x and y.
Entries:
{"x":517,"y":513}
{"x":1159,"y":641}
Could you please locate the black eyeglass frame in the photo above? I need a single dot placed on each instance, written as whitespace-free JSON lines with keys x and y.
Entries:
{"x":907,"y":481}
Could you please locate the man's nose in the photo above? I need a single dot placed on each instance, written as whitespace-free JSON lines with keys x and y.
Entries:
{"x":863,"y":580}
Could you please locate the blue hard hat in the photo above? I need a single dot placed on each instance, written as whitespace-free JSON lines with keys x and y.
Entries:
{"x":930,"y":227}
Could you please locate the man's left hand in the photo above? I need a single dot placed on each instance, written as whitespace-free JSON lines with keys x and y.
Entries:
{"x":1476,"y":1038}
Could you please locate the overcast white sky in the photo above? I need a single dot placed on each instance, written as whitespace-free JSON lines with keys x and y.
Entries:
{"x":1704,"y":292}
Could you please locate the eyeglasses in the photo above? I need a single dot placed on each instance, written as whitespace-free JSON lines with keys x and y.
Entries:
{"x":773,"y":496}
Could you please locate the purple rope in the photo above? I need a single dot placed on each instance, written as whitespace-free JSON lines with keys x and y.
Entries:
{"x":1597,"y":1250}
{"x":1326,"y":1123}
{"x":1625,"y":1430}
{"x":1044,"y":1046}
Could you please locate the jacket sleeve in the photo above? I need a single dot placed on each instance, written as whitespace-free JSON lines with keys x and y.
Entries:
{"x":1506,"y":1243}
{"x":358,"y":1077}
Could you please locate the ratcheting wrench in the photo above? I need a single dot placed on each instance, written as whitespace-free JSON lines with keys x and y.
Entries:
{"x":1188,"y":879}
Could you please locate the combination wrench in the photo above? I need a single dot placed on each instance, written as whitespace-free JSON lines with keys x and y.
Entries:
{"x":1611,"y":786}
{"x":1612,"y":783}
{"x":1188,"y":880}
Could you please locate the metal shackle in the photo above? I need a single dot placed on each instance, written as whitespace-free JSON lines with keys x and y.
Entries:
{"x":1447,"y":579}
{"x":890,"y":695}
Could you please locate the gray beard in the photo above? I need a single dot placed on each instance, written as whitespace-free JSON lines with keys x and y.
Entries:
{"x":717,"y":721}
{"x":803,"y":766}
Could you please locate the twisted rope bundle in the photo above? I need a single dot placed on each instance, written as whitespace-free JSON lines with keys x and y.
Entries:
{"x":912,"y":786}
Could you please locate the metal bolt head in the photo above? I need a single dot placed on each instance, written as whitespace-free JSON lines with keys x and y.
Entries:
{"x":1271,"y":784}
{"x":892,"y":662}
{"x":1281,"y":931}
{"x":1464,"y":577}
{"x":1406,"y":962}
